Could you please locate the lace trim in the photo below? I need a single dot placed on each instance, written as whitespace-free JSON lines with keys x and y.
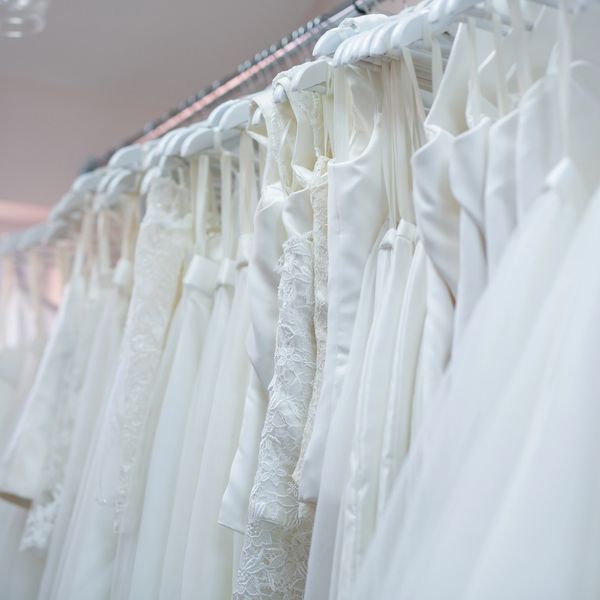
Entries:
{"x":279,"y":146}
{"x":163,"y":243}
{"x":318,"y":197}
{"x":311,"y":106}
{"x":275,"y":552}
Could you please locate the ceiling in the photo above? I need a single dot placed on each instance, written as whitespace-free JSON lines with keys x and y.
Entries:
{"x":162,"y":49}
{"x":103,"y":68}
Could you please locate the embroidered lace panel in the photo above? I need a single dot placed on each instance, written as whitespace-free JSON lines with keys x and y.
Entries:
{"x":275,"y":553}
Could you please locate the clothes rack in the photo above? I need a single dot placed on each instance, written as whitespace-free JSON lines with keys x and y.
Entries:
{"x":250,"y":76}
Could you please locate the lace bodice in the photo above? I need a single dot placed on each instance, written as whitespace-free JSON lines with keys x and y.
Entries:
{"x":164,"y":240}
{"x":275,"y":552}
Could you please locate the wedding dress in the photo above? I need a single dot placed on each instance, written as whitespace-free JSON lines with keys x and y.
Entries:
{"x":358,"y":511}
{"x":554,"y":438}
{"x":504,"y":318}
{"x":193,"y":441}
{"x":97,"y":382}
{"x":87,"y":559}
{"x":144,"y":564}
{"x":354,"y":174}
{"x":49,"y":496}
{"x":202,"y":401}
{"x":25,"y":454}
{"x":276,"y":526}
{"x":355,"y":232}
{"x":20,"y":570}
{"x":262,"y":283}
{"x":98,"y":379}
{"x":211,"y":551}
{"x":378,"y":381}
{"x":26,"y":451}
{"x":319,"y":111}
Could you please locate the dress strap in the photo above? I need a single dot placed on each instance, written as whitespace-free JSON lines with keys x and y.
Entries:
{"x":433,"y":44}
{"x":341,"y":107}
{"x":474,"y":84}
{"x":228,"y":216}
{"x":103,"y":235}
{"x":83,"y":250}
{"x":62,"y":251}
{"x":247,"y":184}
{"x":564,"y":65}
{"x":524,"y":75}
{"x":499,"y":61}
{"x":202,"y":190}
{"x":130,"y":226}
{"x":327,"y":103}
{"x":394,"y":139}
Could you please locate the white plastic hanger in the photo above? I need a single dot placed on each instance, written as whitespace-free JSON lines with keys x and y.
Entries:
{"x":200,"y":140}
{"x":164,"y":141}
{"x":376,"y":41}
{"x":217,"y":113}
{"x":105,"y":181}
{"x":410,"y":30}
{"x":124,"y":181}
{"x":65,"y":204}
{"x":236,"y":116}
{"x":115,"y":183}
{"x":149,"y":176}
{"x":330,"y":40}
{"x":311,"y":75}
{"x":446,"y":12}
{"x":224,"y":121}
{"x":151,"y":155}
{"x":89,"y":182}
{"x":31,"y":237}
{"x":202,"y":137}
{"x":357,"y":47}
{"x":279,"y":93}
{"x":173,"y":147}
{"x":55,"y":230}
{"x":128,"y":157}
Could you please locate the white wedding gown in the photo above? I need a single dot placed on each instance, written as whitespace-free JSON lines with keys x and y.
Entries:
{"x":276,"y":526}
{"x":97,"y":382}
{"x":26,"y":452}
{"x":429,"y":500}
{"x":211,"y":551}
{"x":86,"y":564}
{"x":262,"y":283}
{"x":359,"y":505}
{"x":354,"y":226}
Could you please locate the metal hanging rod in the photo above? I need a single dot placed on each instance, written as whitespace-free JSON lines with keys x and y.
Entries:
{"x":250,"y":76}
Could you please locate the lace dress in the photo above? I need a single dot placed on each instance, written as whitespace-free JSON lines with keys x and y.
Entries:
{"x":156,"y":505}
{"x":97,"y":382}
{"x":164,"y":240}
{"x":46,"y":504}
{"x":275,"y":553}
{"x":24,"y":457}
